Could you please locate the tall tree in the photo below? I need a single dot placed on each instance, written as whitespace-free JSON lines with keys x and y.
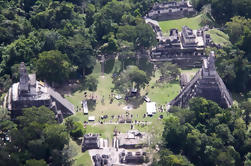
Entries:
{"x":130,"y":78}
{"x":53,"y":66}
{"x":169,"y":71}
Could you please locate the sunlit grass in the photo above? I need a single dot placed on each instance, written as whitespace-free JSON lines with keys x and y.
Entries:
{"x":192,"y":22}
{"x":219,"y":37}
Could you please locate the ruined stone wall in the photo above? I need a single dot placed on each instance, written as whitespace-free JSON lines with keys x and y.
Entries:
{"x":184,"y":58}
{"x":187,"y":92}
{"x":175,"y":14}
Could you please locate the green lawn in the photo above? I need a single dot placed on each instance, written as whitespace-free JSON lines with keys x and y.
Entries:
{"x":192,"y":22}
{"x":79,"y":158}
{"x":190,"y":72}
{"x":83,"y":159}
{"x":219,"y":37}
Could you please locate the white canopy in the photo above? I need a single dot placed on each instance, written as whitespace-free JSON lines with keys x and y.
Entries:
{"x":151,"y":108}
{"x":85,"y":106}
{"x":91,"y":118}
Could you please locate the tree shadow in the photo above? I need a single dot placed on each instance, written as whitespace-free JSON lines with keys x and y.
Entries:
{"x":146,"y":66}
{"x":91,"y":103}
{"x":136,"y":101}
{"x":109,"y":64}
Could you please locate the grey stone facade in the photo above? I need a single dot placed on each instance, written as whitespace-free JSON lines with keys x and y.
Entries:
{"x":207,"y":84}
{"x":130,"y":158}
{"x":90,"y":141}
{"x":171,"y":10}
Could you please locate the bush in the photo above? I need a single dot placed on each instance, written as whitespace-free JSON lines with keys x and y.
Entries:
{"x":77,"y":131}
{"x":34,"y":162}
{"x":91,"y":83}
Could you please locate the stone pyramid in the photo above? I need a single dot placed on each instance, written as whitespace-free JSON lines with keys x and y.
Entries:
{"x":207,"y":84}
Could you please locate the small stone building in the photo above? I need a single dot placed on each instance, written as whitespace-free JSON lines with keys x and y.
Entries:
{"x":100,"y":160}
{"x":183,"y":80}
{"x":130,"y":158}
{"x":90,"y":141}
{"x":133,"y":139}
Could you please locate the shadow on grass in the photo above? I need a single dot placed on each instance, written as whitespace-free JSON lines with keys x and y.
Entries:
{"x":136,"y":101}
{"x":144,"y":64}
{"x":164,"y":83}
{"x":109,"y":64}
{"x":83,"y":86}
{"x":78,"y":141}
{"x":91,"y":104}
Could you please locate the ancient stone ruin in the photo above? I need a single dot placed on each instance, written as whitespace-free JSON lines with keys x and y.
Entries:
{"x":90,"y":141}
{"x":100,"y":160}
{"x":133,"y":139}
{"x":29,"y":92}
{"x":207,"y":84}
{"x":171,"y":10}
{"x":185,"y":48}
{"x":132,"y":159}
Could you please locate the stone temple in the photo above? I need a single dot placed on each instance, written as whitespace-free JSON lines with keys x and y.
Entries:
{"x":207,"y":84}
{"x":29,"y":92}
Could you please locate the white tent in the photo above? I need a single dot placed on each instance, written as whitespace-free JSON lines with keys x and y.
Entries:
{"x":151,"y":108}
{"x":85,"y":106}
{"x":91,"y":118}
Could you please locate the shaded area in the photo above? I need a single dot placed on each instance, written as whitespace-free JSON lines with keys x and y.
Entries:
{"x":109,"y":64}
{"x":91,"y":104}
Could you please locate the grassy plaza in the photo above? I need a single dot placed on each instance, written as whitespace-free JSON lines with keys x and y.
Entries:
{"x":159,"y":93}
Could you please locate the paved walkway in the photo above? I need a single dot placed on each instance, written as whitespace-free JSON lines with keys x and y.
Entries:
{"x":116,"y":123}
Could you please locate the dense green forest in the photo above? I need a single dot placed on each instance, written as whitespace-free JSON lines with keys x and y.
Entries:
{"x":44,"y":32}
{"x":206,"y":134}
{"x":61,"y":41}
{"x":37,"y":138}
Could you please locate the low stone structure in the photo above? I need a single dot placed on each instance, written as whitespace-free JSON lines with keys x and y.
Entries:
{"x":29,"y":92}
{"x":100,"y":160}
{"x":130,"y":158}
{"x":125,"y":119}
{"x":183,"y":80}
{"x":133,"y":139}
{"x":171,"y":10}
{"x":90,"y":141}
{"x":207,"y":84}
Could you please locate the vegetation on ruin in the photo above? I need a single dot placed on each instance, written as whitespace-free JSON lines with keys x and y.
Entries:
{"x":219,"y":37}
